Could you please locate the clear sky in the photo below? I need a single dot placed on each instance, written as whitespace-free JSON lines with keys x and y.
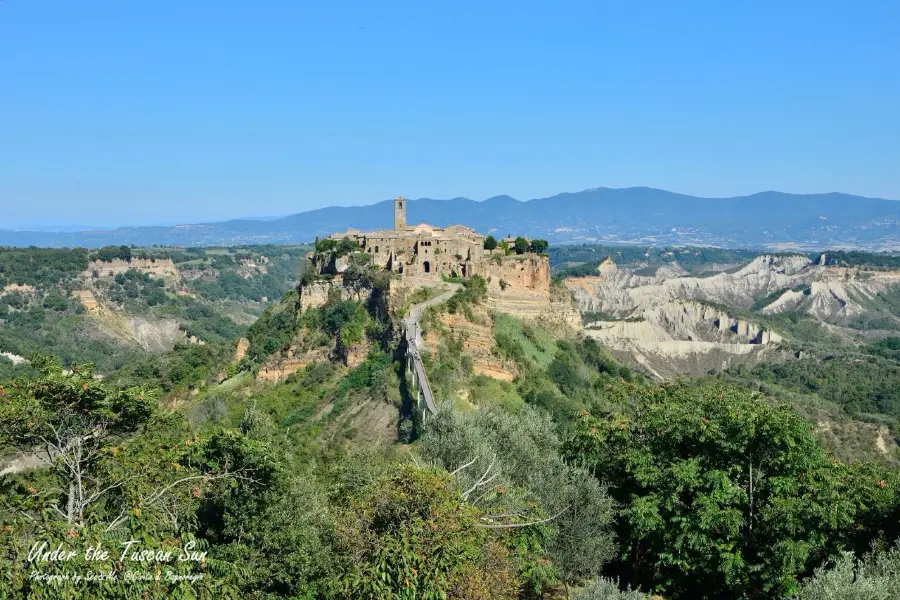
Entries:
{"x":165,"y":111}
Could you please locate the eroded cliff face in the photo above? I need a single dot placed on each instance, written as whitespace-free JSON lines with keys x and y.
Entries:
{"x":828,"y":293}
{"x":686,"y":337}
{"x":316,"y":294}
{"x":836,"y":294}
{"x":161,"y":268}
{"x":668,"y":319}
{"x":152,"y":334}
{"x":520,"y":286}
{"x":668,"y":324}
{"x":624,"y":294}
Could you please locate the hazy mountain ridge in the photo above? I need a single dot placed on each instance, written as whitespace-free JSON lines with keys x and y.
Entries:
{"x":633,"y":215}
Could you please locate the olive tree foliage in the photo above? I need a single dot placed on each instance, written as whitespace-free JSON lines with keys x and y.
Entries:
{"x":406,"y":535}
{"x":606,"y":589}
{"x":510,"y":467}
{"x":876,"y":577}
{"x":521,"y":245}
{"x":278,"y":528}
{"x":115,"y":470}
{"x":70,"y":419}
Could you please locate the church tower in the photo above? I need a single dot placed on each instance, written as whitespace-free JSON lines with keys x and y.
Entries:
{"x":399,"y":213}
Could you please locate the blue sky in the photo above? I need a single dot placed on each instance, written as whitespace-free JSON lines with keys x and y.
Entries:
{"x":136,"y":112}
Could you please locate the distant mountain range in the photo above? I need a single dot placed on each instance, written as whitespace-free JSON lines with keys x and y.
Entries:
{"x":643,"y":216}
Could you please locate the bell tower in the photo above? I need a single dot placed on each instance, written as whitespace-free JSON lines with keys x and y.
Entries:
{"x":399,"y":213}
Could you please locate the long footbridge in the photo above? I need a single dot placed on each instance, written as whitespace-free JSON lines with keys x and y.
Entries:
{"x":415,"y":368}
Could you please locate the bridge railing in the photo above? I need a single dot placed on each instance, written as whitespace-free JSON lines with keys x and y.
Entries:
{"x":416,"y":369}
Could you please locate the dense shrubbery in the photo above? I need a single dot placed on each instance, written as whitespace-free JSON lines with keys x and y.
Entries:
{"x":231,"y":286}
{"x":41,"y":266}
{"x":606,"y":589}
{"x":339,"y":248}
{"x":859,"y":383}
{"x":111,"y":253}
{"x":474,"y":291}
{"x":272,"y":332}
{"x":282,"y":271}
{"x":876,"y":577}
{"x":133,"y":287}
{"x":565,"y":259}
{"x":187,"y":365}
{"x":207,"y":324}
{"x":67,"y":335}
{"x":887,"y":348}
{"x":859,"y":258}
{"x":724,"y":495}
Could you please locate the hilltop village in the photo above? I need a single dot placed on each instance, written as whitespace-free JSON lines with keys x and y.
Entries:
{"x":518,"y":279}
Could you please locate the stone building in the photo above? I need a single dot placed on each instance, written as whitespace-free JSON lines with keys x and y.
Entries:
{"x":518,"y":285}
{"x":421,"y":251}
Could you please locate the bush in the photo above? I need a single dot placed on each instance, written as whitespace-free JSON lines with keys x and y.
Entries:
{"x":876,"y":577}
{"x":473,"y":292}
{"x":521,"y":245}
{"x":539,"y":246}
{"x":605,"y":589}
{"x":692,"y":524}
{"x":409,"y":531}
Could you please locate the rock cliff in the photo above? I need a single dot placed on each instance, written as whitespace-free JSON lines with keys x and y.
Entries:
{"x":316,"y":294}
{"x":670,"y":323}
{"x":520,"y":286}
{"x":160,"y":268}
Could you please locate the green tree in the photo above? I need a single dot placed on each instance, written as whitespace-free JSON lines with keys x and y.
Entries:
{"x":510,"y":467}
{"x":490,"y":242}
{"x":539,"y":246}
{"x":345,"y":320}
{"x":277,"y":525}
{"x":520,"y":245}
{"x":407,"y":536}
{"x":115,"y":472}
{"x":723,"y":494}
{"x":72,"y":418}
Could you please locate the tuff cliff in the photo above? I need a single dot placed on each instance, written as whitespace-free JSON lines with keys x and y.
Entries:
{"x":520,"y":286}
{"x":160,"y":268}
